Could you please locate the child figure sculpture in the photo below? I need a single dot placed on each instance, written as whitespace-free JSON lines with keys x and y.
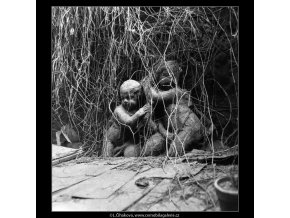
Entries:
{"x":176,"y":121}
{"x":122,"y":136}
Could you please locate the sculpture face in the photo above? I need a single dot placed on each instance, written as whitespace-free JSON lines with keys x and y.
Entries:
{"x":167,"y":75}
{"x":166,"y":79}
{"x":131,"y":93}
{"x":130,"y":99}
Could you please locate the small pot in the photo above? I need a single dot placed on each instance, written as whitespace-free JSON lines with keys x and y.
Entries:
{"x":228,"y":199}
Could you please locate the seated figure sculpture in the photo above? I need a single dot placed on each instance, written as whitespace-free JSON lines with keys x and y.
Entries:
{"x":176,"y":121}
{"x":124,"y":136}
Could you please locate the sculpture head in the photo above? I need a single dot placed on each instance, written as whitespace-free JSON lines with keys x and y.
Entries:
{"x":131,"y":94}
{"x":167,"y":74}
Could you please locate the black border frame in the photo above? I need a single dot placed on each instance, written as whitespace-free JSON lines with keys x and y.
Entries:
{"x":246,"y":85}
